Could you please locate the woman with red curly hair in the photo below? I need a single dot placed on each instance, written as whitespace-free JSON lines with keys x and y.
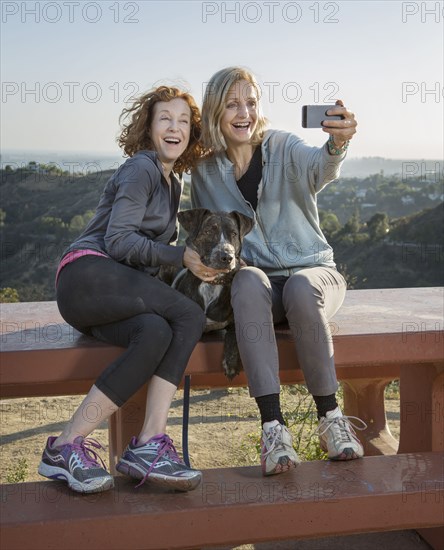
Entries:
{"x":107,"y":288}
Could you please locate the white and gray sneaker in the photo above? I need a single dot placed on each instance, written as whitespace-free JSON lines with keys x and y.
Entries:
{"x":277,"y":452}
{"x":337,"y":435}
{"x":77,"y":463}
{"x":157,"y":461}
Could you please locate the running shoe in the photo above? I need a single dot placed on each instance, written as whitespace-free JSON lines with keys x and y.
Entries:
{"x":157,"y":461}
{"x":77,"y":464}
{"x":337,"y":435}
{"x":277,"y":452}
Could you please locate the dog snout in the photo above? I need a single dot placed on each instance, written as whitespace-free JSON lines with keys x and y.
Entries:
{"x":226,"y":257}
{"x":223,"y":257}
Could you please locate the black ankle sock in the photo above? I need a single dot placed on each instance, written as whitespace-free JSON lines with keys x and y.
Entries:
{"x":325,"y":403}
{"x":270,"y":408}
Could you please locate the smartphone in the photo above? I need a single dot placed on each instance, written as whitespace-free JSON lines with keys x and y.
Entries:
{"x":313,"y":115}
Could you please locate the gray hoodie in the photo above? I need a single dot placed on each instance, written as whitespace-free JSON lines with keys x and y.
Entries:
{"x":136,"y":219}
{"x":286,"y":236}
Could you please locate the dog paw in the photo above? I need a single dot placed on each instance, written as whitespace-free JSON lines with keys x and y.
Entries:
{"x":232,"y":366}
{"x":230,"y":370}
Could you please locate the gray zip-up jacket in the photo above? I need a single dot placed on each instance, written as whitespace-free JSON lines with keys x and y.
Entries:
{"x":286,"y":235}
{"x":136,"y":219}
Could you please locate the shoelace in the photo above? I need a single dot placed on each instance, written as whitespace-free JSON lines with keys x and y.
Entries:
{"x":344,"y":425}
{"x":274,"y":439}
{"x":167,"y":448}
{"x":87,"y":454}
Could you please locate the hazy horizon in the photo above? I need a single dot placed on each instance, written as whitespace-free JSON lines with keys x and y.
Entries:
{"x":118,"y":153}
{"x":96,"y":161}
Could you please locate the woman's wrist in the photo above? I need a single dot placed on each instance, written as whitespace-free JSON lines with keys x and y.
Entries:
{"x":334,"y":149}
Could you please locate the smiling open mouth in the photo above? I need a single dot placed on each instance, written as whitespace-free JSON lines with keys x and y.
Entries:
{"x":173,"y":141}
{"x":241,"y":125}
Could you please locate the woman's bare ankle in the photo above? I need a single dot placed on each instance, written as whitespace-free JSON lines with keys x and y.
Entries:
{"x":65,"y":440}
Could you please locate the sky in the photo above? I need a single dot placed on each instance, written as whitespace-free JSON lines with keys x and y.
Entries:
{"x":68,"y":68}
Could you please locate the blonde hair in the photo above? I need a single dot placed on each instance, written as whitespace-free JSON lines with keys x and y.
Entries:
{"x":214,"y":104}
{"x":135,"y":134}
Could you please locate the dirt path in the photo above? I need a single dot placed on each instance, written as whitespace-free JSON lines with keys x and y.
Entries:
{"x":224,"y":428}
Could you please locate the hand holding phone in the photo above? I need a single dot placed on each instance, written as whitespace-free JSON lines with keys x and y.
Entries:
{"x":313,"y":115}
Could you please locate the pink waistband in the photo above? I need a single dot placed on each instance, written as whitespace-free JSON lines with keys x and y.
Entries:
{"x":75,"y":255}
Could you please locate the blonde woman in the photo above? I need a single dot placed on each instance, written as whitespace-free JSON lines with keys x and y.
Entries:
{"x":274,"y":176}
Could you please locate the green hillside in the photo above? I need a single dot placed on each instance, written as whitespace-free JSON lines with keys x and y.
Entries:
{"x":404,"y":252}
{"x":43,"y":210}
{"x":41,"y":213}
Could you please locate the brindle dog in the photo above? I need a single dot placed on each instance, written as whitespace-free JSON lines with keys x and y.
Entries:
{"x":217,"y":238}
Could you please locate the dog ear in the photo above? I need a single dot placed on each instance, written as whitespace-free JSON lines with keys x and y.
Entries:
{"x":191,"y":219}
{"x":245,"y":223}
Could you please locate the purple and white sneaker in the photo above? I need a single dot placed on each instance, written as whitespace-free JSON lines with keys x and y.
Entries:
{"x":77,"y":464}
{"x":157,"y":461}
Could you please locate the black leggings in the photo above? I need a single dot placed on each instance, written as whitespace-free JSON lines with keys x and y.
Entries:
{"x":126,"y":307}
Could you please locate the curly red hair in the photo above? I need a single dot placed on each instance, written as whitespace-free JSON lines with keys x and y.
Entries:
{"x":135,"y":134}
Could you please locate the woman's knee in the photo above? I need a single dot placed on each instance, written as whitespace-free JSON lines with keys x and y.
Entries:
{"x":149,"y":329}
{"x":192,"y":314}
{"x":299,"y":282}
{"x":313,"y":289}
{"x":250,"y":283}
{"x":301,"y":295}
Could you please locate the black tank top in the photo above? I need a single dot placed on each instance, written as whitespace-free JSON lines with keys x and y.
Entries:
{"x":249,"y":183}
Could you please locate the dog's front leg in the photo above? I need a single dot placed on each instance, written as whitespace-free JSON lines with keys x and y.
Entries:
{"x":232,"y":363}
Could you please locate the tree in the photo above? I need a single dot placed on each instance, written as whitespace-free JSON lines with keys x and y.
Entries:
{"x":76,"y":224}
{"x":378,"y":226}
{"x":87,"y":216}
{"x":8,"y":295}
{"x":353,"y":225}
{"x":329,"y":223}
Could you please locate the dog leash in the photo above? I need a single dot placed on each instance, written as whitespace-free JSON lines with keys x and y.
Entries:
{"x":186,"y":418}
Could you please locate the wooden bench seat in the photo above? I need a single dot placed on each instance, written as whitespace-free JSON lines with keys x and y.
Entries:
{"x":379,"y":336}
{"x":231,"y":506}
